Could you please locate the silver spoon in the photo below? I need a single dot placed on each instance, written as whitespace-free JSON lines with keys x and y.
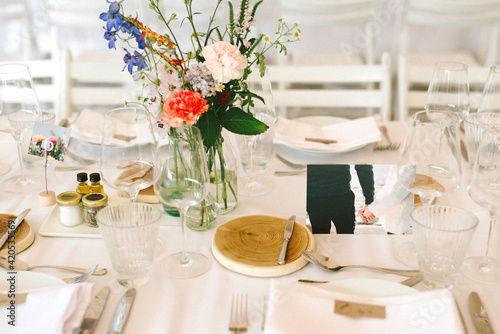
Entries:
{"x":330,"y":265}
{"x":20,"y":265}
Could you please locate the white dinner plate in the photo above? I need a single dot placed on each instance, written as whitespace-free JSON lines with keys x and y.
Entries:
{"x":25,"y":280}
{"x":324,"y":121}
{"x":369,"y":287}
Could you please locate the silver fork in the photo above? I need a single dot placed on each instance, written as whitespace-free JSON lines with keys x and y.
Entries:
{"x":82,"y":277}
{"x":238,"y":321}
{"x":390,"y":146}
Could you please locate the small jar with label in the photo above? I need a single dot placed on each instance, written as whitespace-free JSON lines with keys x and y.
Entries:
{"x":70,"y":208}
{"x":92,"y":203}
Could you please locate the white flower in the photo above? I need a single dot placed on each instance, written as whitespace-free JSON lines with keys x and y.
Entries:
{"x":225,"y":61}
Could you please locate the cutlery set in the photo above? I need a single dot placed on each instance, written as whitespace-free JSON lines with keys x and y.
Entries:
{"x":96,"y":307}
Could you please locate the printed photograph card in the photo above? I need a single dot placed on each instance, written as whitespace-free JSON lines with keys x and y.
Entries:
{"x":49,"y":140}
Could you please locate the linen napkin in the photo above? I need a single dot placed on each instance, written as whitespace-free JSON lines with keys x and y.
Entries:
{"x":55,"y":310}
{"x":349,"y":134}
{"x":306,"y":308}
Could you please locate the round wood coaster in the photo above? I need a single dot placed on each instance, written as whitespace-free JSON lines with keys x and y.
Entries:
{"x":23,"y":237}
{"x":250,"y":245}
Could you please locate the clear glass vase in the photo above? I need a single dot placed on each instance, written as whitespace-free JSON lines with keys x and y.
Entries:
{"x":203,"y":216}
{"x":222,"y":166}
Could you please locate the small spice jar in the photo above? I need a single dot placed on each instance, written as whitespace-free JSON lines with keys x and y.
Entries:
{"x":92,"y":203}
{"x":70,"y":208}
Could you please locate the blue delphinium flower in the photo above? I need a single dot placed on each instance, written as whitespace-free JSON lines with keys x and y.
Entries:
{"x":111,"y":38}
{"x":112,"y":17}
{"x":134,"y":60}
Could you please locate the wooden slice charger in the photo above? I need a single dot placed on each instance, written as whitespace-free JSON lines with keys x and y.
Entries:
{"x":23,"y":238}
{"x":250,"y":245}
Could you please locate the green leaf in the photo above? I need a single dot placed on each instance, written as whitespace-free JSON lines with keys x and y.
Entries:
{"x":242,"y":123}
{"x":210,"y":128}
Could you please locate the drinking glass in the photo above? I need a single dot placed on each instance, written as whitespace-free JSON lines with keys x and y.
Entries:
{"x":19,"y":109}
{"x":180,"y":180}
{"x":490,"y":100}
{"x":429,"y":166}
{"x":474,"y":125}
{"x":484,"y":189}
{"x":449,"y":89}
{"x":442,"y":237}
{"x":255,"y":151}
{"x":129,"y":231}
{"x":128,"y":151}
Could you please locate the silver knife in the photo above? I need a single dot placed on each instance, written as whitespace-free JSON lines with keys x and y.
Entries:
{"x":93,"y":312}
{"x":122,"y":312}
{"x":286,"y":238}
{"x":17,"y":221}
{"x":479,"y":315}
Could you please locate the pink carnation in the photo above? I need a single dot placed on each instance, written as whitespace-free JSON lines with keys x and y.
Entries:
{"x":184,"y":106}
{"x":225,"y":61}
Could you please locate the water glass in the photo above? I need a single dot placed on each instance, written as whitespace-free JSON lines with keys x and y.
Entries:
{"x":442,"y":235}
{"x":474,"y":125}
{"x":130,"y":231}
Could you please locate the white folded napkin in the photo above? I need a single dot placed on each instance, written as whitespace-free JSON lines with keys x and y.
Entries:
{"x":88,"y":126}
{"x":53,"y":310}
{"x":308,"y":308}
{"x":349,"y":134}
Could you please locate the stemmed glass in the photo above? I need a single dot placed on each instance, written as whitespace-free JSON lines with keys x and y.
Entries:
{"x":490,"y":100}
{"x":484,"y":189}
{"x":255,"y":151}
{"x":180,"y":180}
{"x":19,"y":109}
{"x":429,"y":166}
{"x":449,"y":89}
{"x":128,"y":151}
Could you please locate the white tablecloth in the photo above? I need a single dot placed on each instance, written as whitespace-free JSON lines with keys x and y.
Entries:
{"x":202,"y":304}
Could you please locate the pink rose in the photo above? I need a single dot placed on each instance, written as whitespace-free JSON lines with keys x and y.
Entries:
{"x":184,"y":106}
{"x":225,"y":61}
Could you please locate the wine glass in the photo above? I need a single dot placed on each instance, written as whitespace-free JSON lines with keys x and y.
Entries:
{"x":128,"y":151}
{"x":484,"y":189}
{"x":429,"y":166}
{"x":180,"y":180}
{"x":19,"y":109}
{"x":490,"y":100}
{"x":449,"y":89}
{"x":255,"y":150}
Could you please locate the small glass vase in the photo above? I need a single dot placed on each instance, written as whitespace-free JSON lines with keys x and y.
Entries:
{"x":222,"y":166}
{"x":203,"y":216}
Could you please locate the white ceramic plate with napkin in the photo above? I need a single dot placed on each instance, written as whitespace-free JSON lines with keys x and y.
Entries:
{"x":349,"y":134}
{"x":320,"y":308}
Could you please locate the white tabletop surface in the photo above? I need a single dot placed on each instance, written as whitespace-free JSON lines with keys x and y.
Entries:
{"x":202,"y":304}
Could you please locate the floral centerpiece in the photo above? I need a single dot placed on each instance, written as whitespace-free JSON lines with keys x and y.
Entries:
{"x":204,"y":86}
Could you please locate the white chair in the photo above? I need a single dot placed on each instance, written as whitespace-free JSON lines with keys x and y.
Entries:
{"x":97,"y":85}
{"x":335,"y":89}
{"x":16,"y":23}
{"x":414,"y":69}
{"x":332,"y":17}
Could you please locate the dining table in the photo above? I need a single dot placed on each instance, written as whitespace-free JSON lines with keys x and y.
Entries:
{"x":203,"y":304}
